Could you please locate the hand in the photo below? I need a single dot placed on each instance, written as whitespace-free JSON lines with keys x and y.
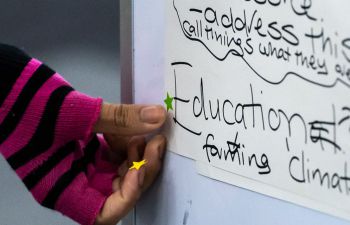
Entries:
{"x":120,"y":125}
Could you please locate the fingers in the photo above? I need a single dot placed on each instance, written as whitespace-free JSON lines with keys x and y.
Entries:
{"x":128,"y":188}
{"x":121,"y":202}
{"x":118,"y":123}
{"x":136,"y":149}
{"x":118,"y":148}
{"x":117,"y":143}
{"x":154,"y":154}
{"x":129,"y":120}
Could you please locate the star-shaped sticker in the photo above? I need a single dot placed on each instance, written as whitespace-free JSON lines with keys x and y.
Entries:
{"x":169,"y":102}
{"x":138,"y":165}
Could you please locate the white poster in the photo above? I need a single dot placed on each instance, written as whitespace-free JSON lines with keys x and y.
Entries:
{"x":259,"y":95}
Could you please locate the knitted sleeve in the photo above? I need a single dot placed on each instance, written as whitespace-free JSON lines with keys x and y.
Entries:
{"x":46,"y":137}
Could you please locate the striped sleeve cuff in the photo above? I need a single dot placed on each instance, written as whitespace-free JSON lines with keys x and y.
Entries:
{"x":78,"y":114}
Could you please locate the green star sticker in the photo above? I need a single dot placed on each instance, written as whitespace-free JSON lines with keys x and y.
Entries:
{"x":169,"y":102}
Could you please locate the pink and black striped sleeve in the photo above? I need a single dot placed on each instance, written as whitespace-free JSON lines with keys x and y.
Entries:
{"x":46,"y":137}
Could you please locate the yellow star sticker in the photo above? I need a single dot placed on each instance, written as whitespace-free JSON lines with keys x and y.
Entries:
{"x":138,"y":165}
{"x":169,"y":102}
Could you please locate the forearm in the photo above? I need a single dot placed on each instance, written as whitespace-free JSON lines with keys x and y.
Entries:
{"x":46,"y":136}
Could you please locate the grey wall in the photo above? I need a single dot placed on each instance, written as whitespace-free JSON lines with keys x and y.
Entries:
{"x":77,"y":38}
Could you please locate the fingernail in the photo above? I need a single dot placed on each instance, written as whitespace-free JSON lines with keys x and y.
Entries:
{"x":141,"y":177}
{"x":151,"y":114}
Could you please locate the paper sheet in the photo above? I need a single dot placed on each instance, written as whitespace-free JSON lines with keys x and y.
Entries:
{"x":258,"y":94}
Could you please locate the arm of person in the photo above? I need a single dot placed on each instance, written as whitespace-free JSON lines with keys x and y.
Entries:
{"x":49,"y":136}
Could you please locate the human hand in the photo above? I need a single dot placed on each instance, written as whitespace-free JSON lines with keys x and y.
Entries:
{"x":123,"y":126}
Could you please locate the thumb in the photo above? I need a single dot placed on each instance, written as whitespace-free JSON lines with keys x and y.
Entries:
{"x":129,"y":120}
{"x":123,"y":200}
